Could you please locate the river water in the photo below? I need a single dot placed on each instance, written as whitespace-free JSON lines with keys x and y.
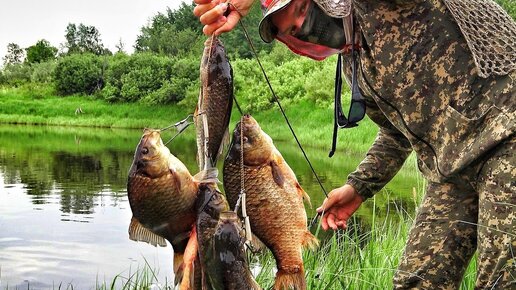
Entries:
{"x":64,"y":212}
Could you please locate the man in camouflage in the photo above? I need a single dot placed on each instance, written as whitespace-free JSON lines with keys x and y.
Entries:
{"x":430,"y":91}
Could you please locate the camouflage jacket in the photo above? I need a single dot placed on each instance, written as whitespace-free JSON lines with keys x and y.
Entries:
{"x":421,"y":87}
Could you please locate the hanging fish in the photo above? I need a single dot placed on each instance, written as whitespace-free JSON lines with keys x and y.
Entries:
{"x":213,"y":109}
{"x":162,"y":195}
{"x":274,"y":200}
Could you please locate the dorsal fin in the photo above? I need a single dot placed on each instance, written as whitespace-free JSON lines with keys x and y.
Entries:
{"x":139,"y":233}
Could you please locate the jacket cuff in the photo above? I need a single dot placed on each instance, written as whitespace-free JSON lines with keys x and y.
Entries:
{"x":361,"y":188}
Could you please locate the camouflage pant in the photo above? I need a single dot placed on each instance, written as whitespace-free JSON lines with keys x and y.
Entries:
{"x":476,"y":213}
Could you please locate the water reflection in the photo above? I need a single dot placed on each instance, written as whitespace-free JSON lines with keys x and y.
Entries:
{"x":64,"y":212}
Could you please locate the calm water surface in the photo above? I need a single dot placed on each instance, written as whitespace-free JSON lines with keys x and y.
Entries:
{"x":64,"y":212}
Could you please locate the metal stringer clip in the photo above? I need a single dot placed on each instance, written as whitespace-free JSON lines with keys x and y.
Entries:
{"x":179,"y":126}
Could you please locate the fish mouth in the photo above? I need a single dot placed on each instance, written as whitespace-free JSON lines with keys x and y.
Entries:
{"x":247,"y":125}
{"x":149,"y":154}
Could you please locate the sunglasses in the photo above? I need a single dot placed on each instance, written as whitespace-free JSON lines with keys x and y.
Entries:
{"x":357,"y":106}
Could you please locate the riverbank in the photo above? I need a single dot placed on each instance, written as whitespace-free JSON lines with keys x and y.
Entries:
{"x":37,"y":105}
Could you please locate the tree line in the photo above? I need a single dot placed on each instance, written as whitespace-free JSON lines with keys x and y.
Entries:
{"x":164,"y":69}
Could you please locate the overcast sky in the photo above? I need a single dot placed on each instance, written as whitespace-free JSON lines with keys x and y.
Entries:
{"x":24,"y":22}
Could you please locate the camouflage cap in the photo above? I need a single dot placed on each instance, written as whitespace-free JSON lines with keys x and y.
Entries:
{"x":267,"y":30}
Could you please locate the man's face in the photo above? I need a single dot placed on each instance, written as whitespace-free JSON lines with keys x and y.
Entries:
{"x":289,"y":19}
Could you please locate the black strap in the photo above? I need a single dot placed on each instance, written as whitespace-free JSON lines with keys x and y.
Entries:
{"x":338,"y":91}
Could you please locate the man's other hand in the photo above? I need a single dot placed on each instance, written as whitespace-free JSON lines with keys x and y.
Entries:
{"x":339,"y":206}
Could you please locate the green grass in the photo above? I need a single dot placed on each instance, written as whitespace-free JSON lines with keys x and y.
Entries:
{"x":39,"y":106}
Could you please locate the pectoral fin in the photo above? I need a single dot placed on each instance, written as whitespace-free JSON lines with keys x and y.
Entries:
{"x":139,"y":233}
{"x":277,"y":174}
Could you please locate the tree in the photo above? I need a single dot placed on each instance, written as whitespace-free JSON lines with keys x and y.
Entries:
{"x":174,"y":33}
{"x":179,"y":33}
{"x":83,"y":38}
{"x":120,"y":46}
{"x":14,"y":54}
{"x":40,"y":52}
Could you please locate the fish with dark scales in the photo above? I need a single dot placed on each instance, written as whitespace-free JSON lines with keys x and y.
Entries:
{"x":162,"y":195}
{"x":274,"y":200}
{"x":221,"y":244}
{"x":213,"y":109}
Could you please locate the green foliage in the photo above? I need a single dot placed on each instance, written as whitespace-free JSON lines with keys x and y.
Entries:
{"x":173,"y":33}
{"x":236,"y":42}
{"x":82,"y":38}
{"x":509,"y":6}
{"x":14,"y":54}
{"x":43,"y":72}
{"x":292,"y":80}
{"x":78,"y":73}
{"x":131,"y":78}
{"x":17,"y":74}
{"x":40,"y":52}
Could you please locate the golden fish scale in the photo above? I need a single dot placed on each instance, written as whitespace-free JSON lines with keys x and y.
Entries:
{"x":277,"y":215}
{"x":165,"y":200}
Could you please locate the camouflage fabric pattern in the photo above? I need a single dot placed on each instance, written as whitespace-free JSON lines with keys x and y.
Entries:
{"x":421,"y":87}
{"x":444,"y":236}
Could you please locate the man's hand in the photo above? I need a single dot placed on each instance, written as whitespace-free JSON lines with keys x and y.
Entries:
{"x":340,"y":204}
{"x":211,"y":14}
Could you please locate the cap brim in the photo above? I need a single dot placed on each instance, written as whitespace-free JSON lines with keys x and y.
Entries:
{"x":268,"y":31}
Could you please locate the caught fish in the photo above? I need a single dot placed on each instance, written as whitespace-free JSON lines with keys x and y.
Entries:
{"x":213,"y":109}
{"x":162,"y":195}
{"x":221,"y":245}
{"x":274,"y":200}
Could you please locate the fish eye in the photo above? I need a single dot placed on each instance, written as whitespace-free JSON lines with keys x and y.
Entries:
{"x":145,"y":150}
{"x":245,"y":139}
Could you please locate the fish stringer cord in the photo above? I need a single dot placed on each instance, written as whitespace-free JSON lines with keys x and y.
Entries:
{"x":277,"y":101}
{"x":242,"y":196}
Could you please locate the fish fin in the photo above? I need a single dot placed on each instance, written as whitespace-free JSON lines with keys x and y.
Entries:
{"x":277,"y":174}
{"x":188,"y":277}
{"x":310,"y":241}
{"x":302,"y":193}
{"x":139,"y":233}
{"x":207,"y":176}
{"x":178,"y":268}
{"x":226,"y":140}
{"x":294,"y":278}
{"x":256,"y":244}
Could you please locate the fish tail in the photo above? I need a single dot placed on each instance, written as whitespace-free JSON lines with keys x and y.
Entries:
{"x":207,"y":176}
{"x":310,"y":241}
{"x":293,"y":278}
{"x":189,"y":256}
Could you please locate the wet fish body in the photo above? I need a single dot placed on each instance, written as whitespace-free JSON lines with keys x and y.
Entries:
{"x":274,"y":200}
{"x":214,"y":104}
{"x":221,"y":244}
{"x":162,"y":195}
{"x":161,"y":190}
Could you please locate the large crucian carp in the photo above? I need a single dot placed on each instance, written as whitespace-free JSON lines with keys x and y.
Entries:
{"x":274,"y":200}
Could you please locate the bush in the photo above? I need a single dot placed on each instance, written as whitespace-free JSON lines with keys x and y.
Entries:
{"x":78,"y":73}
{"x":292,"y":81}
{"x":132,"y":78}
{"x":43,"y":72}
{"x":17,"y":74}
